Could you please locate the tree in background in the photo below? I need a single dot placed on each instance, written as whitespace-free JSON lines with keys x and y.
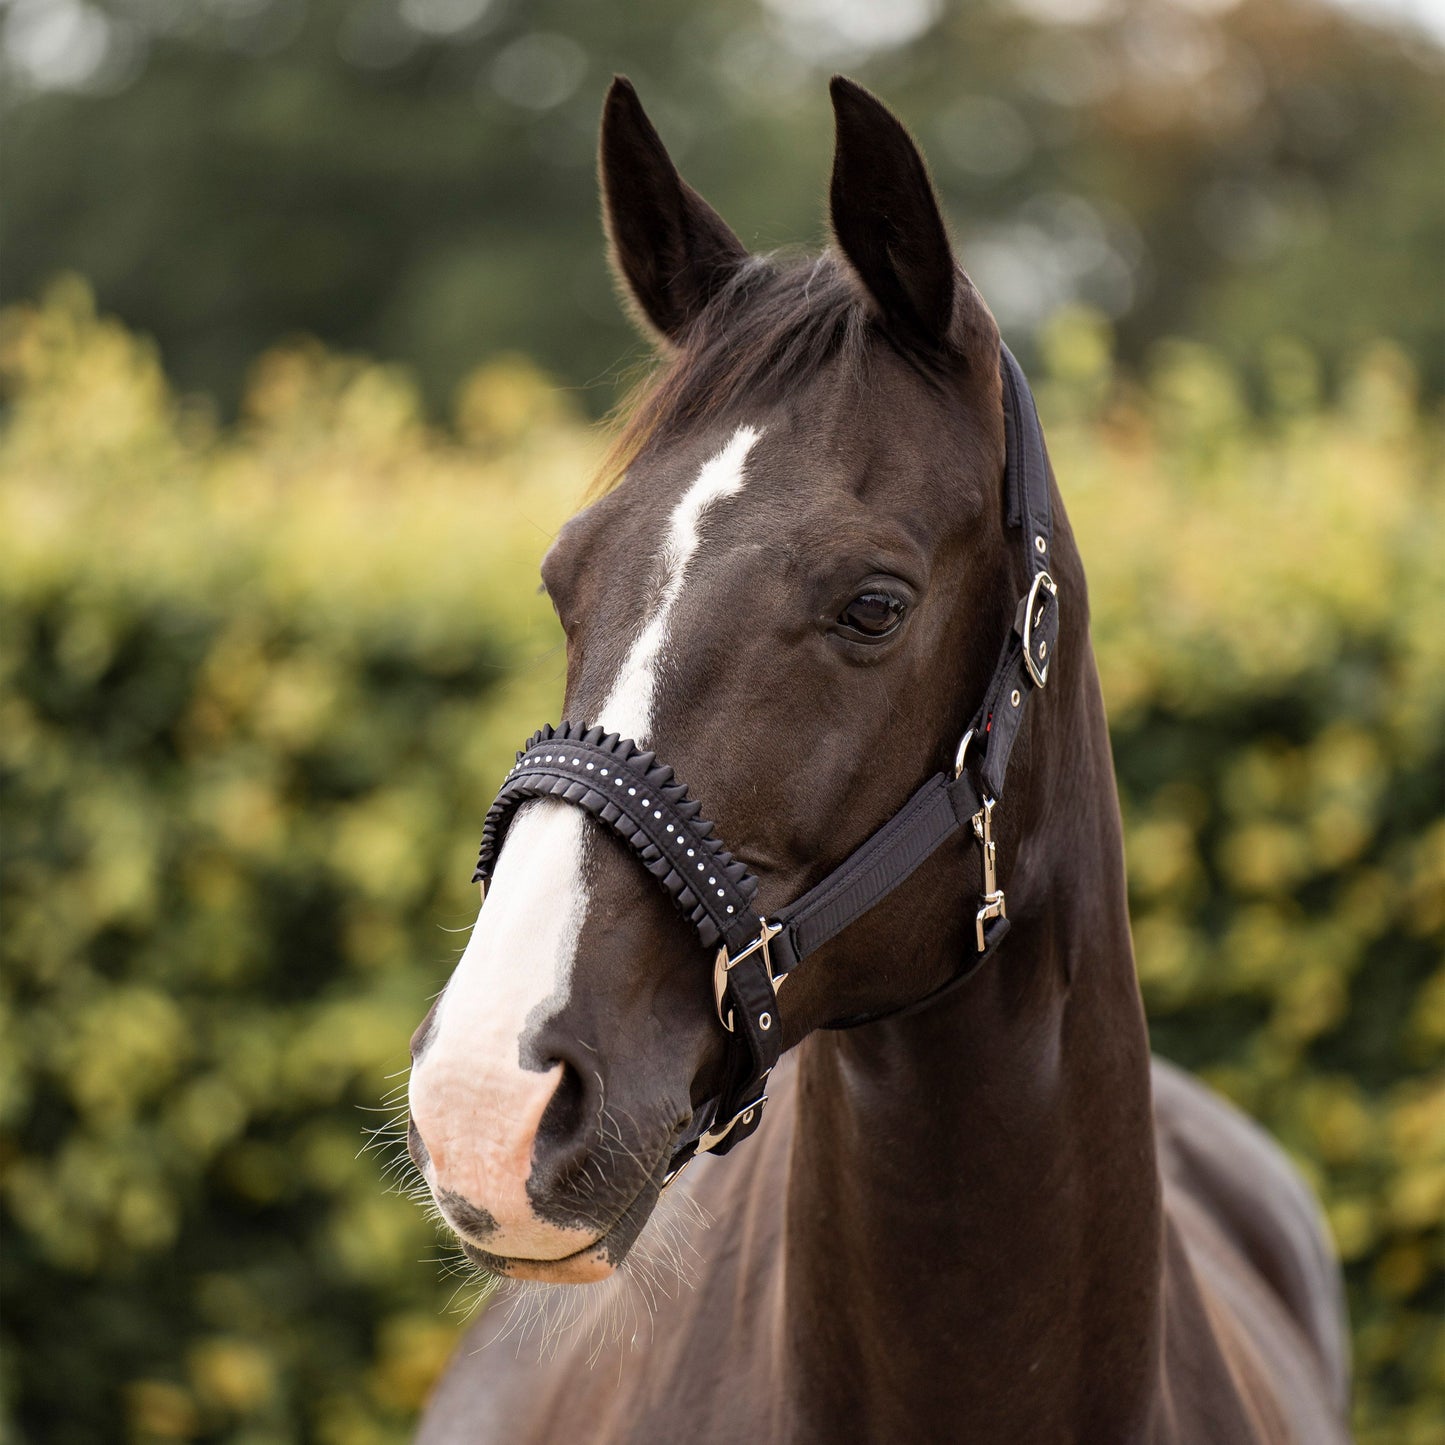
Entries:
{"x":412,"y":177}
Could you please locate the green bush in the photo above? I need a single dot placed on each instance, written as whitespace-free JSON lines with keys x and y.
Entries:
{"x":259,"y":684}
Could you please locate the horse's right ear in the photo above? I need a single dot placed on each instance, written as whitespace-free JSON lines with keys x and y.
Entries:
{"x":890,"y":229}
{"x":670,"y":249}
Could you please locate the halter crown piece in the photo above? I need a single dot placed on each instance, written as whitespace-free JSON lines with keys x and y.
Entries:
{"x":626,"y":788}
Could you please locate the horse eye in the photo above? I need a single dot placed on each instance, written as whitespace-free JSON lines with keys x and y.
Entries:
{"x":872,"y":615}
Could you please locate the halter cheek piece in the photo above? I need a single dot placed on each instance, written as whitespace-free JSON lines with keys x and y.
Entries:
{"x":627,"y":789}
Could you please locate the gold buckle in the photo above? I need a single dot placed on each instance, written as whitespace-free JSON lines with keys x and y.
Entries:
{"x":961,"y":756}
{"x":1038,"y":666}
{"x":711,"y":1138}
{"x":723,"y":965}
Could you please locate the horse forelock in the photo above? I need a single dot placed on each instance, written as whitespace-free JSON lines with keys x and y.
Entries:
{"x":774,"y":326}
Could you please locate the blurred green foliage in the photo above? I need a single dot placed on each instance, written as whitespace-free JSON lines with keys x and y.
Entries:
{"x":413,"y":177}
{"x":259,"y":683}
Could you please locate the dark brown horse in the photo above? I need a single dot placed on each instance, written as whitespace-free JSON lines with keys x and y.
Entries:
{"x":990,"y":1219}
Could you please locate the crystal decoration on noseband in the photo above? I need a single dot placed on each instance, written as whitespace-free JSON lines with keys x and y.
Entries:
{"x":620,"y":785}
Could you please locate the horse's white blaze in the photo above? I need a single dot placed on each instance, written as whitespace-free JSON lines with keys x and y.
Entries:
{"x":628,"y":709}
{"x":476,"y":1107}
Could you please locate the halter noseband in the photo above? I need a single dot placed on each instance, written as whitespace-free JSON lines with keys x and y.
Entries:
{"x":626,"y":788}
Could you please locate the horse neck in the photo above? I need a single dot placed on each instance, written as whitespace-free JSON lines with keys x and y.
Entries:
{"x":974,"y":1231}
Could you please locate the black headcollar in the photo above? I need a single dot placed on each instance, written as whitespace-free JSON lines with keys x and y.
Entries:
{"x":626,"y":788}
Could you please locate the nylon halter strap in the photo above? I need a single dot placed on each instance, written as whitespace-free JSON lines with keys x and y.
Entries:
{"x":626,"y":788}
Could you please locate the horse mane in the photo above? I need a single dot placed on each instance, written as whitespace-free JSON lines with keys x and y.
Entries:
{"x":772,"y":326}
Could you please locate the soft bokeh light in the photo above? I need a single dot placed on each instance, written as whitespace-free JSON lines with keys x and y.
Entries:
{"x":410,"y":177}
{"x":260,"y":682}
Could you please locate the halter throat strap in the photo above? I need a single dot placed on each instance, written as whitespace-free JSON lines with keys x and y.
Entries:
{"x":624,"y":787}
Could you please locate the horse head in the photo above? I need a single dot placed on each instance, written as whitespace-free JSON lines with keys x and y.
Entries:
{"x":795,"y":593}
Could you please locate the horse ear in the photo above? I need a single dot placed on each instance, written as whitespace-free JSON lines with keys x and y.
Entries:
{"x":886,"y":216}
{"x":670,"y":249}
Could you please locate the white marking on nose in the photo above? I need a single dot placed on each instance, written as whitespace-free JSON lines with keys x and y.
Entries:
{"x":476,"y":1107}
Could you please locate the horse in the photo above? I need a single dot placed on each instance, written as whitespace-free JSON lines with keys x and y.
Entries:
{"x":974,"y":1207}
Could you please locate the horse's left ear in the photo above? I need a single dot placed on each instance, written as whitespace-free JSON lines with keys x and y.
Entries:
{"x":670,"y":249}
{"x":886,"y":217}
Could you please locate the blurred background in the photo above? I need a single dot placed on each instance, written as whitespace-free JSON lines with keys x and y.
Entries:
{"x":306,"y":329}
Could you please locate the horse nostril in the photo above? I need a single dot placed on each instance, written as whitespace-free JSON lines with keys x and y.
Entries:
{"x":565,"y":1117}
{"x":423,"y":1035}
{"x":416,"y":1146}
